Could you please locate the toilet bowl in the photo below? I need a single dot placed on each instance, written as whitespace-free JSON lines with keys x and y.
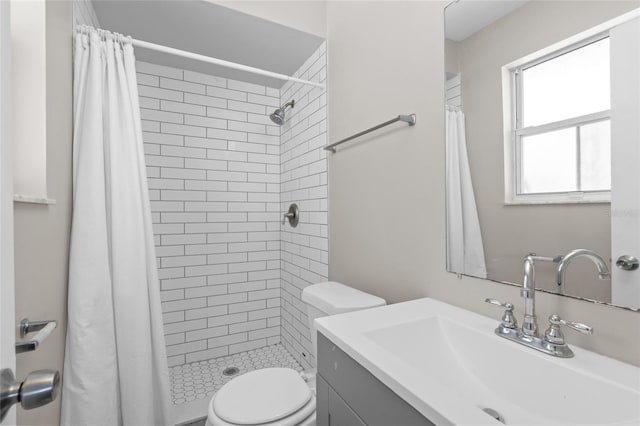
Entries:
{"x":283,"y":396}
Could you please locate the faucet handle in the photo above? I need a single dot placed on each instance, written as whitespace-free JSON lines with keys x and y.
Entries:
{"x":508,"y":320}
{"x":555,"y":335}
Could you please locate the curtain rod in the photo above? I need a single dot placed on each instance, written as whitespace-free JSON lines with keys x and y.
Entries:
{"x":221,"y":62}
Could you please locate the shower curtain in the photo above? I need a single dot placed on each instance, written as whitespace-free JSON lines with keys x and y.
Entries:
{"x":115,"y":367}
{"x":465,"y":252}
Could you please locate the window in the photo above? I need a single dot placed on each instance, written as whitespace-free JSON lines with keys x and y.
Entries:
{"x":561,"y":109}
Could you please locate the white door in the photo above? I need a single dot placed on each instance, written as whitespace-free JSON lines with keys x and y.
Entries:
{"x":625,"y":159}
{"x":7,"y":301}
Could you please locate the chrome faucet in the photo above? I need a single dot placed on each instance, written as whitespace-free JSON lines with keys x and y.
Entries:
{"x":530,"y":323}
{"x":552,"y":342}
{"x":601,"y":264}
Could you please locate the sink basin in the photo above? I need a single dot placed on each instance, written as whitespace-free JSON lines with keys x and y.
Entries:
{"x":448,"y":363}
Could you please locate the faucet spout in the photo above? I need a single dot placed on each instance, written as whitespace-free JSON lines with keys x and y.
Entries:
{"x":530,"y":323}
{"x":601,"y":264}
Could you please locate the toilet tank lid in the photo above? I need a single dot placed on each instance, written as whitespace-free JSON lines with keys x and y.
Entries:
{"x":335,"y":298}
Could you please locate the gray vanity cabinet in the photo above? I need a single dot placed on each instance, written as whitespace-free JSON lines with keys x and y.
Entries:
{"x":349,"y":395}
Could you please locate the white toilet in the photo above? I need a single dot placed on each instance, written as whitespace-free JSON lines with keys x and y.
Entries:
{"x":283,"y":396}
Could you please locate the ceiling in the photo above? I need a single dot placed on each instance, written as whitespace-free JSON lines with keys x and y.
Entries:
{"x":464,"y":18}
{"x":212,"y":30}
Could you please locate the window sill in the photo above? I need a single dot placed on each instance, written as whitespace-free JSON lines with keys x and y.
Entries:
{"x":17,"y":198}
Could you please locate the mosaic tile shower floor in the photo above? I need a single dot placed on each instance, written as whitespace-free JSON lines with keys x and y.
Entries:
{"x":200,"y":380}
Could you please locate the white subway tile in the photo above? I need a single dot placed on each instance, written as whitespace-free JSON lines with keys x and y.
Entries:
{"x":183,"y":217}
{"x":210,"y":290}
{"x":164,"y":116}
{"x":245,"y":247}
{"x":246,"y":107}
{"x":210,"y":311}
{"x":247,"y":266}
{"x":192,"y":98}
{"x":219,"y":92}
{"x":208,"y":354}
{"x":226,"y":114}
{"x":230,"y":135}
{"x":158,"y":93}
{"x":172,"y":262}
{"x":205,"y":79}
{"x":205,"y":248}
{"x":182,"y":86}
{"x":171,"y":317}
{"x":227,"y":278}
{"x":169,"y":251}
{"x":183,"y":151}
{"x":205,"y":164}
{"x":150,"y":126}
{"x":192,"y":271}
{"x":246,"y":286}
{"x":244,"y":127}
{"x":227,"y":340}
{"x":148,"y":68}
{"x":183,"y":238}
{"x":179,"y":129}
{"x":226,"y":237}
{"x":247,"y":306}
{"x":185,"y":348}
{"x":149,"y":103}
{"x":170,"y":284}
{"x":247,"y":346}
{"x":203,"y":185}
{"x":226,"y":175}
{"x":163,"y":161}
{"x":227,"y":299}
{"x":264,"y":100}
{"x":226,"y":155}
{"x":181,"y":327}
{"x":183,"y":108}
{"x":155,"y":183}
{"x":168,"y":194}
{"x":201,"y":206}
{"x":267,"y":332}
{"x":207,"y":333}
{"x":246,"y":87}
{"x":182,"y":305}
{"x":212,"y":122}
{"x":161,"y":138}
{"x":226,"y":217}
{"x":204,"y":227}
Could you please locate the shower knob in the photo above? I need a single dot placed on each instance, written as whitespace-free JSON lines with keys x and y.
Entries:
{"x":39,"y":388}
{"x":292,"y":215}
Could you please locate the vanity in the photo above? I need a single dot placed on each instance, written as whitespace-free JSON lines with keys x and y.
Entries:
{"x":425,"y":362}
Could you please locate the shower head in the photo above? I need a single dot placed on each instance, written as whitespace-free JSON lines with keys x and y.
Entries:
{"x":277,"y":116}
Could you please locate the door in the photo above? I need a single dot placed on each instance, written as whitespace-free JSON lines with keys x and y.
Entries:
{"x":7,"y":301}
{"x":625,"y":157}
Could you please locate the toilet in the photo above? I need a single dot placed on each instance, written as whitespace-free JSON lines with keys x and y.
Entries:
{"x":283,"y":396}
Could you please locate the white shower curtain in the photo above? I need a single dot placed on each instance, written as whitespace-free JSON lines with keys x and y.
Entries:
{"x":115,"y":368}
{"x":465,"y":252}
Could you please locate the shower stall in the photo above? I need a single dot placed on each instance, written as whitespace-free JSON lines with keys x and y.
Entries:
{"x":226,"y":153}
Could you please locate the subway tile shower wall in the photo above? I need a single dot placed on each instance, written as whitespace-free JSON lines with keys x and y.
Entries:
{"x":303,"y":180}
{"x":213,"y":165}
{"x":220,"y":175}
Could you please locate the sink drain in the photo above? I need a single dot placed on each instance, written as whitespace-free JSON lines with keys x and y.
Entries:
{"x":230,"y":371}
{"x":493,"y":413}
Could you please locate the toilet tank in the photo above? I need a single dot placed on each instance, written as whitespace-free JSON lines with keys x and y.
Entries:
{"x":332,"y":298}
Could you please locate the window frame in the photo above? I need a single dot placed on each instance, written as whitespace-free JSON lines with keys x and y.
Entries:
{"x":513,"y":188}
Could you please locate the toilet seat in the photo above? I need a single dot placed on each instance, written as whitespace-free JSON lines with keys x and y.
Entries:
{"x":270,"y":396}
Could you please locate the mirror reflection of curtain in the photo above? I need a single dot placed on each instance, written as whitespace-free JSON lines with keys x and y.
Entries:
{"x":465,"y":252}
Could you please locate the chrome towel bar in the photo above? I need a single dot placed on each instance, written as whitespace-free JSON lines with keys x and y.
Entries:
{"x":409,"y":119}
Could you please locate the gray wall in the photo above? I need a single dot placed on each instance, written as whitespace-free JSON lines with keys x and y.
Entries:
{"x":386,"y":193}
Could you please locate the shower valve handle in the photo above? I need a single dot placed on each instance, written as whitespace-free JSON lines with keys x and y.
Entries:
{"x":292,"y":215}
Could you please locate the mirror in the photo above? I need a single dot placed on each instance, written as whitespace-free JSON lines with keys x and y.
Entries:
{"x":527,"y":88}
